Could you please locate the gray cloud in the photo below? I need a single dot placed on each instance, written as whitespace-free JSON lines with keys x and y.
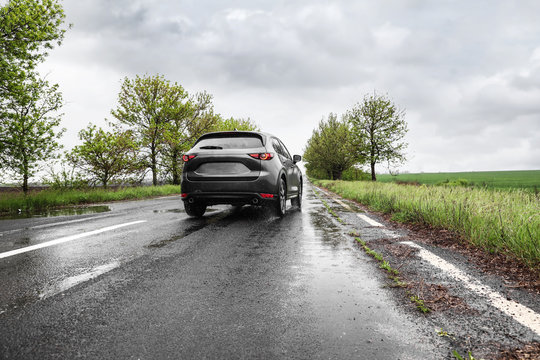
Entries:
{"x":467,"y":73}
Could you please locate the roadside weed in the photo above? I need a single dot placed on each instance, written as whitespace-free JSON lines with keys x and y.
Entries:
{"x":459,"y":357}
{"x":443,"y":333}
{"x":419,"y":303}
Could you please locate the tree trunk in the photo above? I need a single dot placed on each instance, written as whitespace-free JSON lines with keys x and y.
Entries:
{"x":25,"y":175}
{"x":25,"y":183}
{"x":174,"y":168}
{"x":154,"y":167}
{"x":373,"y":177}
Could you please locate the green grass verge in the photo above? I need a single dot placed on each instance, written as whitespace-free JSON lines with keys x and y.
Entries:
{"x":498,"y":221}
{"x":11,"y":202}
{"x":526,"y":179}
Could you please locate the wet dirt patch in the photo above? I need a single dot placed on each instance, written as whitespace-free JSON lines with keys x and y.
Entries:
{"x":527,"y":352}
{"x":400,"y":251}
{"x":71,"y":211}
{"x":438,"y":298}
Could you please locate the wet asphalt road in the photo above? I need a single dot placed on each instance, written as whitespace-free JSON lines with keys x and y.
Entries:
{"x":239,"y":283}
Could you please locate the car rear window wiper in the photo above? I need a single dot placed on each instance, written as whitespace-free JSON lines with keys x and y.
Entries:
{"x":211,"y":147}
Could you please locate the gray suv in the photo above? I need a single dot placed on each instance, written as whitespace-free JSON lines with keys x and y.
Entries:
{"x":238,"y":168}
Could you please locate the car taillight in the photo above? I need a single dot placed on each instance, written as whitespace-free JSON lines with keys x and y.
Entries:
{"x":262,"y":156}
{"x":186,"y":158}
{"x":184,"y":195}
{"x":267,"y":196}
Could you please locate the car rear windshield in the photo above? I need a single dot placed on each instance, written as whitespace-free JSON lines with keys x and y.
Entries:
{"x":236,"y":142}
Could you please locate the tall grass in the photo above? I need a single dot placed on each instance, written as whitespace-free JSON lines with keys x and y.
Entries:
{"x":498,"y":221}
{"x":47,"y":199}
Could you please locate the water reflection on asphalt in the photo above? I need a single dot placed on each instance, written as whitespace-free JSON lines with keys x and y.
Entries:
{"x":57,"y":212}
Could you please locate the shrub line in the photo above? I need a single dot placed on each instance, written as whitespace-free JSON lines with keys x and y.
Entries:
{"x":13,"y":203}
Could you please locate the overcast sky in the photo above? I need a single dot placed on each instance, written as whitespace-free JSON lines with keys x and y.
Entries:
{"x":466,"y":72}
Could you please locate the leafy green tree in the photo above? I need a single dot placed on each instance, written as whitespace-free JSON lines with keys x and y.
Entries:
{"x":231,"y":124}
{"x":147,"y":105}
{"x":28,"y":28}
{"x":330,"y":150}
{"x":29,"y":129}
{"x":106,"y":156}
{"x":378,"y":127}
{"x":183,"y":128}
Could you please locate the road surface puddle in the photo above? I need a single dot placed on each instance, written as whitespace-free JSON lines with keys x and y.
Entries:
{"x":57,"y":212}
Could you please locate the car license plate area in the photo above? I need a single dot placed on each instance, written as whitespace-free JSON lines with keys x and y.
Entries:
{"x":222,"y":169}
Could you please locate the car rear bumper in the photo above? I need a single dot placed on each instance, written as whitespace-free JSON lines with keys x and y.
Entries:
{"x":213,"y":198}
{"x":230,"y":192}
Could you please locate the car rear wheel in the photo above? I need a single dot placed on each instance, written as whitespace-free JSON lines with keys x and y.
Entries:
{"x":281,"y":203}
{"x":297,"y":201}
{"x":194,"y":209}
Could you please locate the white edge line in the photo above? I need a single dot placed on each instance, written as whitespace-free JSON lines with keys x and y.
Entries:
{"x":66,"y":239}
{"x":343,"y":204}
{"x":520,"y":313}
{"x":369,"y":220}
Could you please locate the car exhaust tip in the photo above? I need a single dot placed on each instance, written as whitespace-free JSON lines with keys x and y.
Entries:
{"x":255,"y":201}
{"x":191,"y":200}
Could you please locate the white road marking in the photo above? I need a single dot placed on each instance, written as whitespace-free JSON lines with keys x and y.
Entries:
{"x":66,"y":239}
{"x":77,"y":279}
{"x":520,"y":313}
{"x":369,"y":220}
{"x":57,"y":223}
{"x":343,"y":204}
{"x":366,"y":218}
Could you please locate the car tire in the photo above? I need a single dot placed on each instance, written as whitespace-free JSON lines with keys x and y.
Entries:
{"x":194,"y":209}
{"x":297,"y":201}
{"x":281,"y":201}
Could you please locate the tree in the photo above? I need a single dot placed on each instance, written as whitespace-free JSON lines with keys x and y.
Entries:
{"x":231,"y":124}
{"x":330,"y":150}
{"x":194,"y":118}
{"x":28,"y":28}
{"x":182,"y":130}
{"x":146,"y":105}
{"x":106,"y":156}
{"x":29,"y":122}
{"x":378,"y":127}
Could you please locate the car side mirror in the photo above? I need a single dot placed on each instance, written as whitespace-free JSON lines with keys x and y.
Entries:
{"x":296,"y":158}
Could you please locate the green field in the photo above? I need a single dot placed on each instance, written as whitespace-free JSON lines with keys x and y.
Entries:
{"x":525,"y":179}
